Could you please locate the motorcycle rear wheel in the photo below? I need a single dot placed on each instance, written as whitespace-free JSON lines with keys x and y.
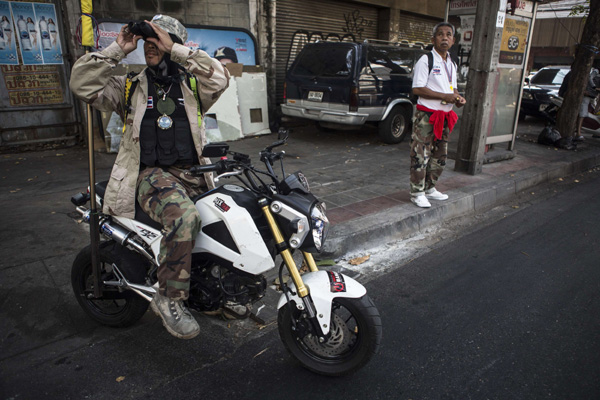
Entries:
{"x":118,"y":308}
{"x":355,"y":337}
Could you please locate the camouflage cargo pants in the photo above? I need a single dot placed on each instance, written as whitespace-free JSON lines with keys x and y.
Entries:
{"x":427,"y":154}
{"x":165,"y":195}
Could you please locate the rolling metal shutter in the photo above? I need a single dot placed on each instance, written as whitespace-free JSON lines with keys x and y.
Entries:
{"x":302,"y":21}
{"x":416,"y":29}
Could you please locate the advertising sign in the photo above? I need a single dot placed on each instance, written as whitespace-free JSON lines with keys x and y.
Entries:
{"x":34,"y":27}
{"x":514,"y":42}
{"x":32,"y":85}
{"x":207,"y":39}
{"x":48,"y":33}
{"x":27,"y":33}
{"x":8,"y":45}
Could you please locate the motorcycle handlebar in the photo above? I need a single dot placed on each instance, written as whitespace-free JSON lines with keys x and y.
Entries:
{"x":201,"y":169}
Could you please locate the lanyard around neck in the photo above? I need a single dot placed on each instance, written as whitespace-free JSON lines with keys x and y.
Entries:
{"x":448,"y":73}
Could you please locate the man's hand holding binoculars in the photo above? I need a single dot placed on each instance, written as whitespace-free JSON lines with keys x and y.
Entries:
{"x":127,"y":40}
{"x":164,"y":42}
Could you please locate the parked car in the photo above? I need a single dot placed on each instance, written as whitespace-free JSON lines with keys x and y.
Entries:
{"x":539,"y":88}
{"x":352,"y":84}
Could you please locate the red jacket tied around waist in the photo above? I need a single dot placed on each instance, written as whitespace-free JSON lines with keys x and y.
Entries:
{"x":437,"y":120}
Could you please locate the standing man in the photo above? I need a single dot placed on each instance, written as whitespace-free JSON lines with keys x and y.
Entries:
{"x":161,"y":108}
{"x":434,"y":82}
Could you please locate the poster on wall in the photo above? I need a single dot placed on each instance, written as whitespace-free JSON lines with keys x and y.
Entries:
{"x":27,"y":33}
{"x":234,"y":44}
{"x":34,"y":27}
{"x":514,"y":42}
{"x":8,"y":46}
{"x":45,"y":14}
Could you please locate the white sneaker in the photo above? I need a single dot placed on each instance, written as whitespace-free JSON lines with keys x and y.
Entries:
{"x":434,"y":194}
{"x":420,"y":201}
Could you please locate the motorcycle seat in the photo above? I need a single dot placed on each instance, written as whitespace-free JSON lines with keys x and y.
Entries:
{"x":140,"y":215}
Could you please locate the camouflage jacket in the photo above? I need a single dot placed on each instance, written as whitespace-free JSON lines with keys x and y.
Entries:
{"x":92,"y":82}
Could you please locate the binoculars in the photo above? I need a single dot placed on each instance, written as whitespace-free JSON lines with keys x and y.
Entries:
{"x":142,"y":29}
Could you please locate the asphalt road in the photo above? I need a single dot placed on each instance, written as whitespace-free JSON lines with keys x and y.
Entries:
{"x":508,"y":311}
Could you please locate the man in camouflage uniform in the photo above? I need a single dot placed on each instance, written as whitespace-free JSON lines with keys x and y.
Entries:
{"x":163,"y":136}
{"x":435,"y":85}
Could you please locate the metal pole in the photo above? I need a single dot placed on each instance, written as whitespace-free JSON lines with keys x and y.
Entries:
{"x":94,"y":234}
{"x":511,"y":146}
{"x":447,"y":14}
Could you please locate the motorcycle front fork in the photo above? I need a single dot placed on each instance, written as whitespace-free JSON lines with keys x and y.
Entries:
{"x":286,"y":254}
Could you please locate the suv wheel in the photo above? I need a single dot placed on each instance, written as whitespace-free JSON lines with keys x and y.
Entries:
{"x":394,"y":128}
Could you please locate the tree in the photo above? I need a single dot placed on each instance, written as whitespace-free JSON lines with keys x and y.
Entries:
{"x":566,"y":120}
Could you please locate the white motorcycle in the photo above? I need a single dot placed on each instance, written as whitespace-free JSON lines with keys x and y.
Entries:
{"x":326,"y":320}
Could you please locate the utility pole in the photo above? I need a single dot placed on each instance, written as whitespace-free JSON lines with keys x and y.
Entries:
{"x":478,"y":114}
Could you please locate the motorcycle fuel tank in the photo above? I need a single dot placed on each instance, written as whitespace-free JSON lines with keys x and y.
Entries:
{"x":231,"y":229}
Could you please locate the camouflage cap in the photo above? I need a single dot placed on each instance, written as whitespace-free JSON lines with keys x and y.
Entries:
{"x":171,"y":25}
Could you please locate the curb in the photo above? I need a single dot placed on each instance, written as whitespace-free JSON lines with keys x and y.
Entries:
{"x":406,"y":220}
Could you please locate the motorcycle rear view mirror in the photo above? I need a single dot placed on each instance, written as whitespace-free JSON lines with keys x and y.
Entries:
{"x":218,"y":149}
{"x":283,"y":133}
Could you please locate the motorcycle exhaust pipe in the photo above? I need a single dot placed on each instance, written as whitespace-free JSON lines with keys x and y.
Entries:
{"x":117,"y":233}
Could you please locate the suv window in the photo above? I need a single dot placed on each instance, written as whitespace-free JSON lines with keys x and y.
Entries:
{"x":549,"y":76}
{"x":397,"y":60}
{"x":325,"y":61}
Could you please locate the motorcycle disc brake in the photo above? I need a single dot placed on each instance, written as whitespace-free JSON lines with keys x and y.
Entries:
{"x":338,"y":340}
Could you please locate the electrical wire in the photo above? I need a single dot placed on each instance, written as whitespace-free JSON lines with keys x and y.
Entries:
{"x":96,"y":30}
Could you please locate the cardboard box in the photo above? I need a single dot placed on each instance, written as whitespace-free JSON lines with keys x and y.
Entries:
{"x":253,"y":68}
{"x":235,"y":69}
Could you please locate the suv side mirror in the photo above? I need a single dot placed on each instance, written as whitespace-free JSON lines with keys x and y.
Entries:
{"x":218,"y":149}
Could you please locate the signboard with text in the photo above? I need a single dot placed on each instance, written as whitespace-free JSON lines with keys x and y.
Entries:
{"x":514,"y":42}
{"x":32,"y":85}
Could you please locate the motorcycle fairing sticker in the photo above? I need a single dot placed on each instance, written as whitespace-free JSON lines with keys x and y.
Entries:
{"x":336,"y":281}
{"x":146,"y":233}
{"x":221,"y":205}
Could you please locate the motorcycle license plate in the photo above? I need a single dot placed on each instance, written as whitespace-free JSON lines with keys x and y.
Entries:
{"x":543,"y":106}
{"x":315,"y":96}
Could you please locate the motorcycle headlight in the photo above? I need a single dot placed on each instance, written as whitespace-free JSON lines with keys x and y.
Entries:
{"x":527,"y":96}
{"x":319,"y":225}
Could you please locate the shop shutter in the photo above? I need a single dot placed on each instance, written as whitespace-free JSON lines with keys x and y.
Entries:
{"x":416,"y":29}
{"x":301,"y":21}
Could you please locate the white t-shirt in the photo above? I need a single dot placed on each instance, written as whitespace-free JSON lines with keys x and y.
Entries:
{"x":441,"y":79}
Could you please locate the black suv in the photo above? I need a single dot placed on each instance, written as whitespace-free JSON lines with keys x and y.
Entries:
{"x":353,"y":84}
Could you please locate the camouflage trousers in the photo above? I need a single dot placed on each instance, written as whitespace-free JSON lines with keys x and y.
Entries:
{"x":165,"y":195}
{"x":427,"y":154}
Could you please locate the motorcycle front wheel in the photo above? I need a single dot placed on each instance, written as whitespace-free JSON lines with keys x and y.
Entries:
{"x":117,"y":307}
{"x":355,"y":335}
